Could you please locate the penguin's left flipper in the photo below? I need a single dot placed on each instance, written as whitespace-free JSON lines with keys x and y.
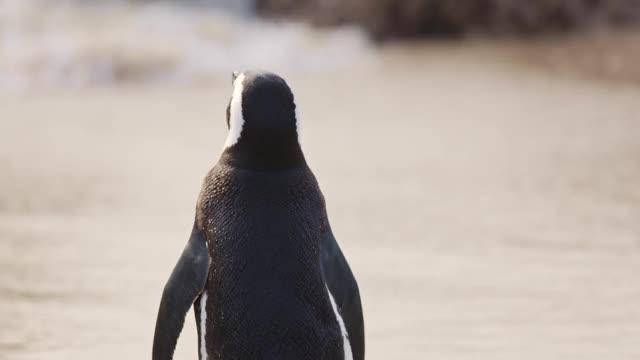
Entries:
{"x":344,"y":289}
{"x":187,"y":281}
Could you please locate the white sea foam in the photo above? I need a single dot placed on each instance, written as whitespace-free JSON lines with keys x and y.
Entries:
{"x":58,"y":43}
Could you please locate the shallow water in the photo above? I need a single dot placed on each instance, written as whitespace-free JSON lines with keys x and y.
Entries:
{"x":489,"y":212}
{"x":86,"y":44}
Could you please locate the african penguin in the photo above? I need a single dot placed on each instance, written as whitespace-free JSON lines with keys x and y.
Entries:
{"x":262,"y":268}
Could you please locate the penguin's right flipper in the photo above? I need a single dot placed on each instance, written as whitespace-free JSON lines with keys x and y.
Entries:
{"x":344,"y":288}
{"x":187,"y":281}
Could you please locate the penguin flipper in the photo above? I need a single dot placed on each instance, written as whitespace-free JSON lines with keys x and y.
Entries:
{"x":187,"y":281}
{"x":344,"y":289}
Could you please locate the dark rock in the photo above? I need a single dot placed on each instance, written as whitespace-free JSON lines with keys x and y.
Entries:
{"x":417,"y":18}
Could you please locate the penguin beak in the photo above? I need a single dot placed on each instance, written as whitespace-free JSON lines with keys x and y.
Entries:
{"x":234,"y":75}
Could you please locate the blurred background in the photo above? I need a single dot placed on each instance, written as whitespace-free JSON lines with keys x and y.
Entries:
{"x":480,"y":160}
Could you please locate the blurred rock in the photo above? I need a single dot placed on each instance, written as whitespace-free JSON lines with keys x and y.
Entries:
{"x":417,"y":18}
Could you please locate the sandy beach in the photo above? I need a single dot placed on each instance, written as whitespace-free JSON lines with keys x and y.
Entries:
{"x":488,"y":211}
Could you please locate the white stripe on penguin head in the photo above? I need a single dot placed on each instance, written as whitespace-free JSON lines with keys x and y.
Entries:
{"x":297,"y":114}
{"x":236,"y":119}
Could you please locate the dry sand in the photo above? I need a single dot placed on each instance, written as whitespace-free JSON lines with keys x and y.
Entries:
{"x":488,"y":212}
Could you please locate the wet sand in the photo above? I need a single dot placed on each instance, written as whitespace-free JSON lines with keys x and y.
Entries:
{"x":488,"y":212}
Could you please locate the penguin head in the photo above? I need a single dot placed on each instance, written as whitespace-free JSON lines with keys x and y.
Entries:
{"x":262,"y":121}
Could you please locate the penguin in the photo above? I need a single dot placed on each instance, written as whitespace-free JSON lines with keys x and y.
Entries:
{"x":262,"y":268}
